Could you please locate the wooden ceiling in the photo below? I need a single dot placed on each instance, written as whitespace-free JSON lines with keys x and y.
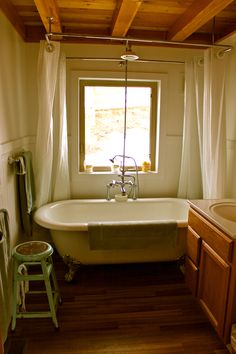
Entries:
{"x":195,"y":21}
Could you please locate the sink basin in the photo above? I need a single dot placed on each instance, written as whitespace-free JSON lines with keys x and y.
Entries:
{"x":226,"y":210}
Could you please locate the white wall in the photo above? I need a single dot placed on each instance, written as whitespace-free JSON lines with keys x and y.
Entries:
{"x":15,"y":129}
{"x":12,"y":84}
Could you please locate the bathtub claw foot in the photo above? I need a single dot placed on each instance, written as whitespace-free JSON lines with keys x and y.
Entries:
{"x":73,"y":266}
{"x":181,"y":263}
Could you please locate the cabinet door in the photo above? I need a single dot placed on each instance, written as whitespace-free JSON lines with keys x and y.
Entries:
{"x":213,"y":286}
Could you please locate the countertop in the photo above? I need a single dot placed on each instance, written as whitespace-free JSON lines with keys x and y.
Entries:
{"x":203,"y":207}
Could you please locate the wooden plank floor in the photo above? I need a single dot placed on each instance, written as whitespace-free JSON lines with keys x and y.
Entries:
{"x":120,"y":309}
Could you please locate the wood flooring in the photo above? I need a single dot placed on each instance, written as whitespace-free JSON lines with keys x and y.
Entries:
{"x":120,"y":309}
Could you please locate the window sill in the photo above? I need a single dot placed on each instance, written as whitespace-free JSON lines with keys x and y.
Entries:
{"x":116,"y":174}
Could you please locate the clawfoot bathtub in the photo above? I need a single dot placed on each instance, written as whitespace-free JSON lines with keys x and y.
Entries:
{"x":97,"y":231}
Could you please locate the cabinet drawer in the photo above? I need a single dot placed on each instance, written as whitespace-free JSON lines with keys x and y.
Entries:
{"x":193,"y":245}
{"x":216,"y":239}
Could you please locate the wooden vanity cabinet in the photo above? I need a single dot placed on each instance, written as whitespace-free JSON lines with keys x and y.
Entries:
{"x":210,"y":273}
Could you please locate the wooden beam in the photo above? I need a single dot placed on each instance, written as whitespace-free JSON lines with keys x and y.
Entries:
{"x":46,"y":9}
{"x":194,"y":17}
{"x":124,"y":15}
{"x":10,"y":12}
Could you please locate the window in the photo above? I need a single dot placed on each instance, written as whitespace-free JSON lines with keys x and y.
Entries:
{"x":101,"y":128}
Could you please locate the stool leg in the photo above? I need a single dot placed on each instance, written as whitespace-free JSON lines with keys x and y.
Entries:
{"x":54,"y":280}
{"x":14,"y":297}
{"x":49,"y":292}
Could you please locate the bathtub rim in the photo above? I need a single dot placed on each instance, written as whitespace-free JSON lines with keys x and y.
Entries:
{"x":43,"y":220}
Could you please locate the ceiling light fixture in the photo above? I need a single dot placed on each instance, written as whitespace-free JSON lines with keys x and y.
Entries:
{"x":129,"y":54}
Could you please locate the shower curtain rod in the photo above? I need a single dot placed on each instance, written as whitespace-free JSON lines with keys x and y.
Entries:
{"x":224,"y":48}
{"x":120,"y":60}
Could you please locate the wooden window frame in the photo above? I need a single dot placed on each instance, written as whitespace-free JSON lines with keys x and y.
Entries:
{"x":153,"y":141}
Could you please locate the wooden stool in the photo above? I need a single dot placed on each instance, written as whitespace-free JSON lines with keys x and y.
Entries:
{"x":26,"y":256}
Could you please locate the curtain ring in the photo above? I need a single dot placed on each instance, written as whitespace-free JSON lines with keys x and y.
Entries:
{"x":200,"y":61}
{"x":220,"y":54}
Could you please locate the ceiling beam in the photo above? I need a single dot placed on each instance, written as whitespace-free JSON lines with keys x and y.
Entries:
{"x":49,"y":9}
{"x":10,"y":12}
{"x":196,"y":16}
{"x":124,"y":15}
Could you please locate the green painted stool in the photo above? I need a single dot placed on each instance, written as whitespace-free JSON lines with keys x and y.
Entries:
{"x":28,"y":256}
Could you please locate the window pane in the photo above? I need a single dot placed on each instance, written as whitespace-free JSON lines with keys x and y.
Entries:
{"x":104,"y":123}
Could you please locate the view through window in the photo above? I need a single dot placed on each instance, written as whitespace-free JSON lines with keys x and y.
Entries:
{"x":102,"y":122}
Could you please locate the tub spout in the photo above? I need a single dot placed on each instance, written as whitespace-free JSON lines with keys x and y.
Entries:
{"x":113,"y":184}
{"x":122,"y":183}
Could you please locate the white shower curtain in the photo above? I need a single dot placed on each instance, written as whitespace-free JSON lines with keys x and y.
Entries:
{"x":204,"y":136}
{"x":190,"y":181}
{"x":51,"y":152}
{"x":214,"y":126}
{"x":61,"y":180}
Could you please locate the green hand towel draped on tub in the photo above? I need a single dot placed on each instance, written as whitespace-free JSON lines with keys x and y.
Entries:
{"x":131,"y":234}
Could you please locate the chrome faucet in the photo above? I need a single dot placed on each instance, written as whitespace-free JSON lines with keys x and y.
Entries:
{"x":123,"y":182}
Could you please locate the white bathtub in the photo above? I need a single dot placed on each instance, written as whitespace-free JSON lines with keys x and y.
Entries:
{"x":69,"y":221}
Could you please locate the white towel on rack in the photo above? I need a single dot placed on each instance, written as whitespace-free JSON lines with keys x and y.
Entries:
{"x":20,"y":166}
